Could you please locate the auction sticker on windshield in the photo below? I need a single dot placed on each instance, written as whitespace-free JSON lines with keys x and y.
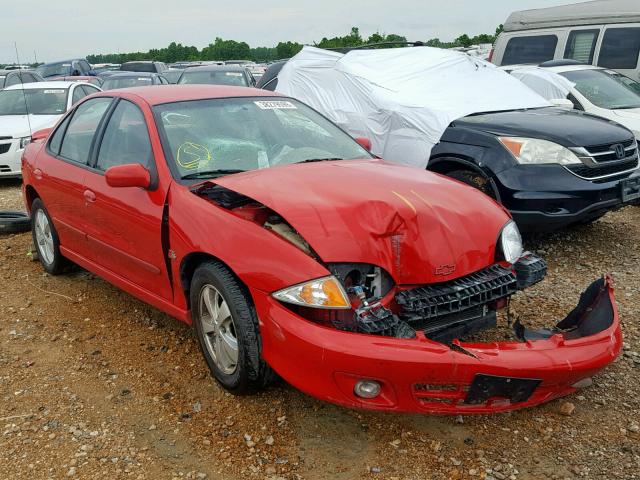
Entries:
{"x":233,"y":74}
{"x":275,"y":105}
{"x":54,"y":91}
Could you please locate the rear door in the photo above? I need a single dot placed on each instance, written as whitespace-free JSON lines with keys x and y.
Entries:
{"x":124,"y":225}
{"x":61,"y":169}
{"x":620,"y":49}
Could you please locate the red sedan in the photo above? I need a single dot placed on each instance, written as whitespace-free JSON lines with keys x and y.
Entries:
{"x":291,"y":249}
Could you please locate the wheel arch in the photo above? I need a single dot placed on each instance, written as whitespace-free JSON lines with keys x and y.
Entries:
{"x":30,"y":195}
{"x":445,"y":164}
{"x":191,"y":262}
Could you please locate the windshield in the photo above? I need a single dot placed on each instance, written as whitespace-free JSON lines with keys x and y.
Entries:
{"x":604,"y":90}
{"x":60,"y":69}
{"x":214,"y":77}
{"x":40,"y":101}
{"x":111,"y":83}
{"x":239,"y":134}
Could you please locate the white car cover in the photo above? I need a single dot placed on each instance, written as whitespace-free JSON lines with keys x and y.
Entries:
{"x":402,"y":99}
{"x":545,"y":83}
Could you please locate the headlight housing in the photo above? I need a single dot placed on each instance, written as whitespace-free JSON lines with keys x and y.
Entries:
{"x":533,"y":151}
{"x":24,"y":141}
{"x":326,"y":292}
{"x":511,"y":242}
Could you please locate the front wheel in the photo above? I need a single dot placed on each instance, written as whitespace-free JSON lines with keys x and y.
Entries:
{"x":474,"y":180}
{"x":226,"y":325}
{"x":46,"y":239}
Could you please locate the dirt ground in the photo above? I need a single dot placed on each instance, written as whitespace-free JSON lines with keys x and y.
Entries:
{"x":95,"y":384}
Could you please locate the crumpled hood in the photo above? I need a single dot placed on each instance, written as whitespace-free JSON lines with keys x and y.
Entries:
{"x":17,"y":126}
{"x":419,"y":226}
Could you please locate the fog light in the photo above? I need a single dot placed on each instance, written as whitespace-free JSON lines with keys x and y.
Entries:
{"x":367,"y":389}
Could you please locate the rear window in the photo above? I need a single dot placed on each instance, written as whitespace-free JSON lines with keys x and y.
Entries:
{"x":533,"y":49}
{"x":214,"y":77}
{"x":581,"y":45}
{"x":138,"y":67}
{"x":620,"y":48}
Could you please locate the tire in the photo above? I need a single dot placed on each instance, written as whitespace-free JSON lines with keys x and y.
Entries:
{"x":14,"y":222}
{"x":474,"y":180}
{"x":43,"y":232}
{"x":248,"y":372}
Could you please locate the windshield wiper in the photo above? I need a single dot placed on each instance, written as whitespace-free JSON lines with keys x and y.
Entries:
{"x":310,"y":160}
{"x":211,"y":173}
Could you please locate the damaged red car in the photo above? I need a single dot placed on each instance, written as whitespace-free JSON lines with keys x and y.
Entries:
{"x":292,"y":250}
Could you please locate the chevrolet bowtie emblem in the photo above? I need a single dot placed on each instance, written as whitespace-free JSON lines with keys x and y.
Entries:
{"x":446,"y":269}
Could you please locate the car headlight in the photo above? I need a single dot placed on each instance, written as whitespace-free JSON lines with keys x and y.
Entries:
{"x":323,"y":292}
{"x":511,"y":242}
{"x":24,"y":141}
{"x":533,"y":151}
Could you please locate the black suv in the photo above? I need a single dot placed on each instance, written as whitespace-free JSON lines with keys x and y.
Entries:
{"x":551,"y":167}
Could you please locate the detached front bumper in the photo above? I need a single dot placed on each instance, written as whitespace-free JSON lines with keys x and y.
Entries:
{"x":420,"y":375}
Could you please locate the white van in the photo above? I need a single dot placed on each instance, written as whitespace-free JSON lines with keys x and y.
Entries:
{"x":605,"y":33}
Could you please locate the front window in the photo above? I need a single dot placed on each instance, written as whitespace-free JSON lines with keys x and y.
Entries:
{"x":214,"y":77}
{"x":112,"y":83}
{"x":605,"y":90}
{"x":61,"y":69}
{"x":35,"y":101}
{"x":209,"y":138}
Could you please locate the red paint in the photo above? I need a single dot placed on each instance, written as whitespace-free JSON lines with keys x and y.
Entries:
{"x":419,"y":226}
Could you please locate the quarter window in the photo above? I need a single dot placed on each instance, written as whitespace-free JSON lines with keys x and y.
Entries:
{"x":531,"y":49}
{"x":56,"y":138}
{"x":126,"y":139}
{"x":78,"y":94}
{"x":581,"y":45}
{"x":76,"y":144}
{"x":620,"y":48}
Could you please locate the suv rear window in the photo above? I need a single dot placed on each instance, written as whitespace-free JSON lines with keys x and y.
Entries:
{"x":620,"y":48}
{"x":532,"y":49}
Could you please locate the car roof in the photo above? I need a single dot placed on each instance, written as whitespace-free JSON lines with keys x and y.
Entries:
{"x":572,"y":68}
{"x":62,"y":61}
{"x":159,"y":94}
{"x":140,"y":61}
{"x":53,"y":85}
{"x":222,"y":68}
{"x":132,"y":74}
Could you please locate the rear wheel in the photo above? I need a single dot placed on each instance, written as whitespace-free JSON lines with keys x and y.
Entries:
{"x":46,"y":239}
{"x":226,"y":325}
{"x":474,"y":179}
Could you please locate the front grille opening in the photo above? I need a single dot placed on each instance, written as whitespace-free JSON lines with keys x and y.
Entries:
{"x":457,"y":308}
{"x":4,"y":147}
{"x":603,"y":170}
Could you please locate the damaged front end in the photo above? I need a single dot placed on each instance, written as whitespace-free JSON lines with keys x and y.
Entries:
{"x":410,"y":347}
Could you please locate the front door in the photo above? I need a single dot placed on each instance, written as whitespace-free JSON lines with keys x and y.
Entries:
{"x":124,"y":225}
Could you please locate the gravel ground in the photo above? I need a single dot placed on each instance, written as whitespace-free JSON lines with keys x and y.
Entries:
{"x":95,"y":384}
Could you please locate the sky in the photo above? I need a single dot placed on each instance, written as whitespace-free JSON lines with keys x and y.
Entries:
{"x":63,"y":29}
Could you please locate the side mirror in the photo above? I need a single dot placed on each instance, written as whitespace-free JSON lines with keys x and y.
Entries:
{"x":41,"y":134}
{"x":562,"y":103}
{"x":129,"y":175}
{"x":364,"y":143}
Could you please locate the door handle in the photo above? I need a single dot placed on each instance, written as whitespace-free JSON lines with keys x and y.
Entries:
{"x":37,"y":173}
{"x":89,"y":196}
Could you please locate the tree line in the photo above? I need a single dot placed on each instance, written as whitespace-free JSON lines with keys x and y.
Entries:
{"x":222,"y":49}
